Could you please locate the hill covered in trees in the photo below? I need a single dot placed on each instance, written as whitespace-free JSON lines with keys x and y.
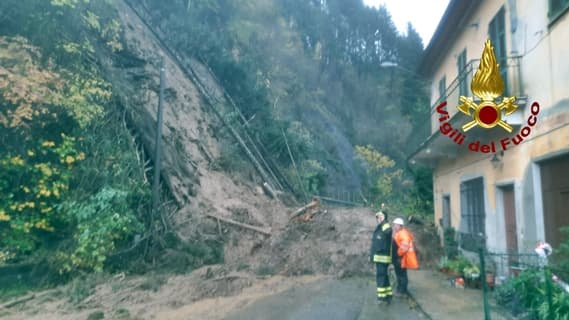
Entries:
{"x":312,"y":70}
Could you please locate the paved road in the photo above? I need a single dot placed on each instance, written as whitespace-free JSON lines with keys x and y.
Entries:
{"x":346,"y":299}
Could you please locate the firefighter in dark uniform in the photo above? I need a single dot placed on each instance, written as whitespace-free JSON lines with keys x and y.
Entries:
{"x":380,"y":254}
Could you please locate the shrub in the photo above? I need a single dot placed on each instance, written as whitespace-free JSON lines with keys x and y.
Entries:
{"x":101,"y":221}
{"x":154,"y":282}
{"x":450,"y":243}
{"x":527,"y":293}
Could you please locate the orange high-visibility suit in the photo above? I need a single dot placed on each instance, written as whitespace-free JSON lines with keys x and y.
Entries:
{"x":406,"y":249}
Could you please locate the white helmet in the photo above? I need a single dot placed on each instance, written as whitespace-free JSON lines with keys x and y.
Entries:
{"x":398,"y":221}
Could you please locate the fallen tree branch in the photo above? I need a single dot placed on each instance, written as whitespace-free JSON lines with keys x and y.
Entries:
{"x":233,"y":276}
{"x":265,"y":231}
{"x":314,"y":203}
{"x":309,"y":216}
{"x":17,"y":301}
{"x":269,"y":190}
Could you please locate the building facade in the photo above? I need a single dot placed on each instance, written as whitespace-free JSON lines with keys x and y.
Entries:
{"x":514,"y":192}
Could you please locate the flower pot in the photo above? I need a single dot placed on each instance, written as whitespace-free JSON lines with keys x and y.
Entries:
{"x":490,"y":280}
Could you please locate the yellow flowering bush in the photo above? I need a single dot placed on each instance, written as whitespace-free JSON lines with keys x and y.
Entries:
{"x":38,"y":153}
{"x":33,"y":184}
{"x":383,"y":172}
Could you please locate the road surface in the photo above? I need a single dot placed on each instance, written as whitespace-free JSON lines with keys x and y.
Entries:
{"x":331,"y":299}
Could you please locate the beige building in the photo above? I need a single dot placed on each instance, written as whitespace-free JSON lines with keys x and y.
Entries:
{"x":506,"y":199}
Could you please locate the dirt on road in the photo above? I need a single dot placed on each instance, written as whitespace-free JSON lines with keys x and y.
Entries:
{"x":276,"y":298}
{"x":304,"y":269}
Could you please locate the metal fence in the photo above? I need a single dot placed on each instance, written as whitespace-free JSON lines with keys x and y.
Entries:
{"x":506,"y":265}
{"x":345,"y":198}
{"x":497,"y":268}
{"x":514,"y":285}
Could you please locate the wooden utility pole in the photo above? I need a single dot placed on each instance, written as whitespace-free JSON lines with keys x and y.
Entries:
{"x":158,"y":145}
{"x":294,"y":165}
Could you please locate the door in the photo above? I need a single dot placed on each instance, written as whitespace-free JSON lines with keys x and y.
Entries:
{"x":555,"y":188}
{"x":509,"y":202}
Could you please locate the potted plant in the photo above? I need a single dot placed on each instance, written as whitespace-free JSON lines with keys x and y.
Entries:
{"x":472,"y":276}
{"x":457,"y":266}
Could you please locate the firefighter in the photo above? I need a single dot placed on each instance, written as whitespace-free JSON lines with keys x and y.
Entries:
{"x":380,"y":254}
{"x":405,"y":257}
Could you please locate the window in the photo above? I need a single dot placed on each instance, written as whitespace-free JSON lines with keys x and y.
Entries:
{"x":557,"y":8}
{"x":472,"y":213}
{"x":446,"y":223}
{"x":442,"y":89}
{"x":497,"y":34}
{"x":461,"y":65}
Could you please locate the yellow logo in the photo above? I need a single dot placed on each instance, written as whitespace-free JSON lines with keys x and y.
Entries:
{"x":487,"y":85}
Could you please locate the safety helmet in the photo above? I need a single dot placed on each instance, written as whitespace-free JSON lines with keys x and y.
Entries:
{"x":380,"y":214}
{"x":398,"y":221}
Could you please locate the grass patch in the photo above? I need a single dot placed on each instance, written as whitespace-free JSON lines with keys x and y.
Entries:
{"x":243,"y":266}
{"x":97,"y":315}
{"x":122,"y":314}
{"x":326,"y":264}
{"x":265,"y":271}
{"x":82,"y":287}
{"x":14,"y":291}
{"x":153,"y":282}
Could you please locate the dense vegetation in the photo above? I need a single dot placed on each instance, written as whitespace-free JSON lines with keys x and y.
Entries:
{"x":72,"y":189}
{"x":527,"y":295}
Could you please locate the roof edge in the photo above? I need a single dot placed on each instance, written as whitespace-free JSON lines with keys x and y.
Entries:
{"x":456,"y":14}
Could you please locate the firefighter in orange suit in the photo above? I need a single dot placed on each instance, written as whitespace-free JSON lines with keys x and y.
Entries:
{"x":380,"y":254}
{"x":406,"y":257}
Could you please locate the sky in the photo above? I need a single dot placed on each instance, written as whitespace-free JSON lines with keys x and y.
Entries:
{"x":424,"y":15}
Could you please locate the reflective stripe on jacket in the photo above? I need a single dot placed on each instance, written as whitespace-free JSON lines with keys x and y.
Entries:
{"x":380,"y":251}
{"x":406,"y":249}
{"x":381,"y":259}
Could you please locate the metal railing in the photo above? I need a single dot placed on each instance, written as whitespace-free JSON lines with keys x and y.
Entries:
{"x":471,"y":241}
{"x":513,"y":87}
{"x":345,"y":198}
{"x":510,"y":264}
{"x":507,"y":265}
